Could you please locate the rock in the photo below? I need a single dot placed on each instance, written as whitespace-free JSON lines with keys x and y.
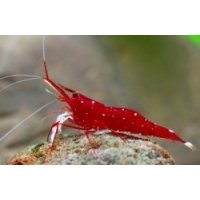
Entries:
{"x":103,"y":150}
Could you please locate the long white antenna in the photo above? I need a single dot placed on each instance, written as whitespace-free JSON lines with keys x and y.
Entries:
{"x":43,"y":48}
{"x":24,"y":80}
{"x":25,"y":119}
{"x":50,"y":92}
{"x":20,"y":75}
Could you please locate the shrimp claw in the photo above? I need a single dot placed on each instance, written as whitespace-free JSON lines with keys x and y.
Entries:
{"x":57,"y":126}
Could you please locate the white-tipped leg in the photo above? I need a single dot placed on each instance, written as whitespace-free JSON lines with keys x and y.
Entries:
{"x":52,"y":134}
{"x":57,"y":127}
{"x":190,"y":145}
{"x":62,"y":118}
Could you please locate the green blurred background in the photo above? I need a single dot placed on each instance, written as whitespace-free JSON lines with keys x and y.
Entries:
{"x":155,"y":75}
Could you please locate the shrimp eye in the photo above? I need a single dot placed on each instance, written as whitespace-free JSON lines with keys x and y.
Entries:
{"x":75,"y":95}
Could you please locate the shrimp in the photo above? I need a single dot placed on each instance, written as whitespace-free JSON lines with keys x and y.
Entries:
{"x":90,"y":116}
{"x":83,"y":113}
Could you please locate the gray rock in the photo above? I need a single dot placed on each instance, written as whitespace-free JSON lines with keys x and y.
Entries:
{"x":103,"y":150}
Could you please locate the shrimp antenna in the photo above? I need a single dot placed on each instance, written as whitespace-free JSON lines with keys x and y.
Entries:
{"x":25,"y":119}
{"x":44,"y":58}
{"x":50,"y":92}
{"x":24,"y":80}
{"x":20,"y":75}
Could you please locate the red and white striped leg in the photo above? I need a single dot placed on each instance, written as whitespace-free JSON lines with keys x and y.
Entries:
{"x":56,"y":128}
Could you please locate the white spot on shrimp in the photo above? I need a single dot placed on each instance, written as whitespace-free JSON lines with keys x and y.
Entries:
{"x":123,"y":109}
{"x":152,"y":129}
{"x":113,"y":116}
{"x":123,"y":118}
{"x":103,"y":114}
{"x":142,"y":125}
{"x":82,"y":101}
{"x":135,"y":114}
{"x":93,"y":102}
{"x":171,"y":131}
{"x":86,"y":113}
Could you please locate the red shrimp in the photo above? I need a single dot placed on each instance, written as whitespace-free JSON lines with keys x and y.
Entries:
{"x":86,"y":114}
{"x":90,"y":116}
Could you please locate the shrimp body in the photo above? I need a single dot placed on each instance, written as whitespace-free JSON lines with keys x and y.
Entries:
{"x":94,"y":115}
